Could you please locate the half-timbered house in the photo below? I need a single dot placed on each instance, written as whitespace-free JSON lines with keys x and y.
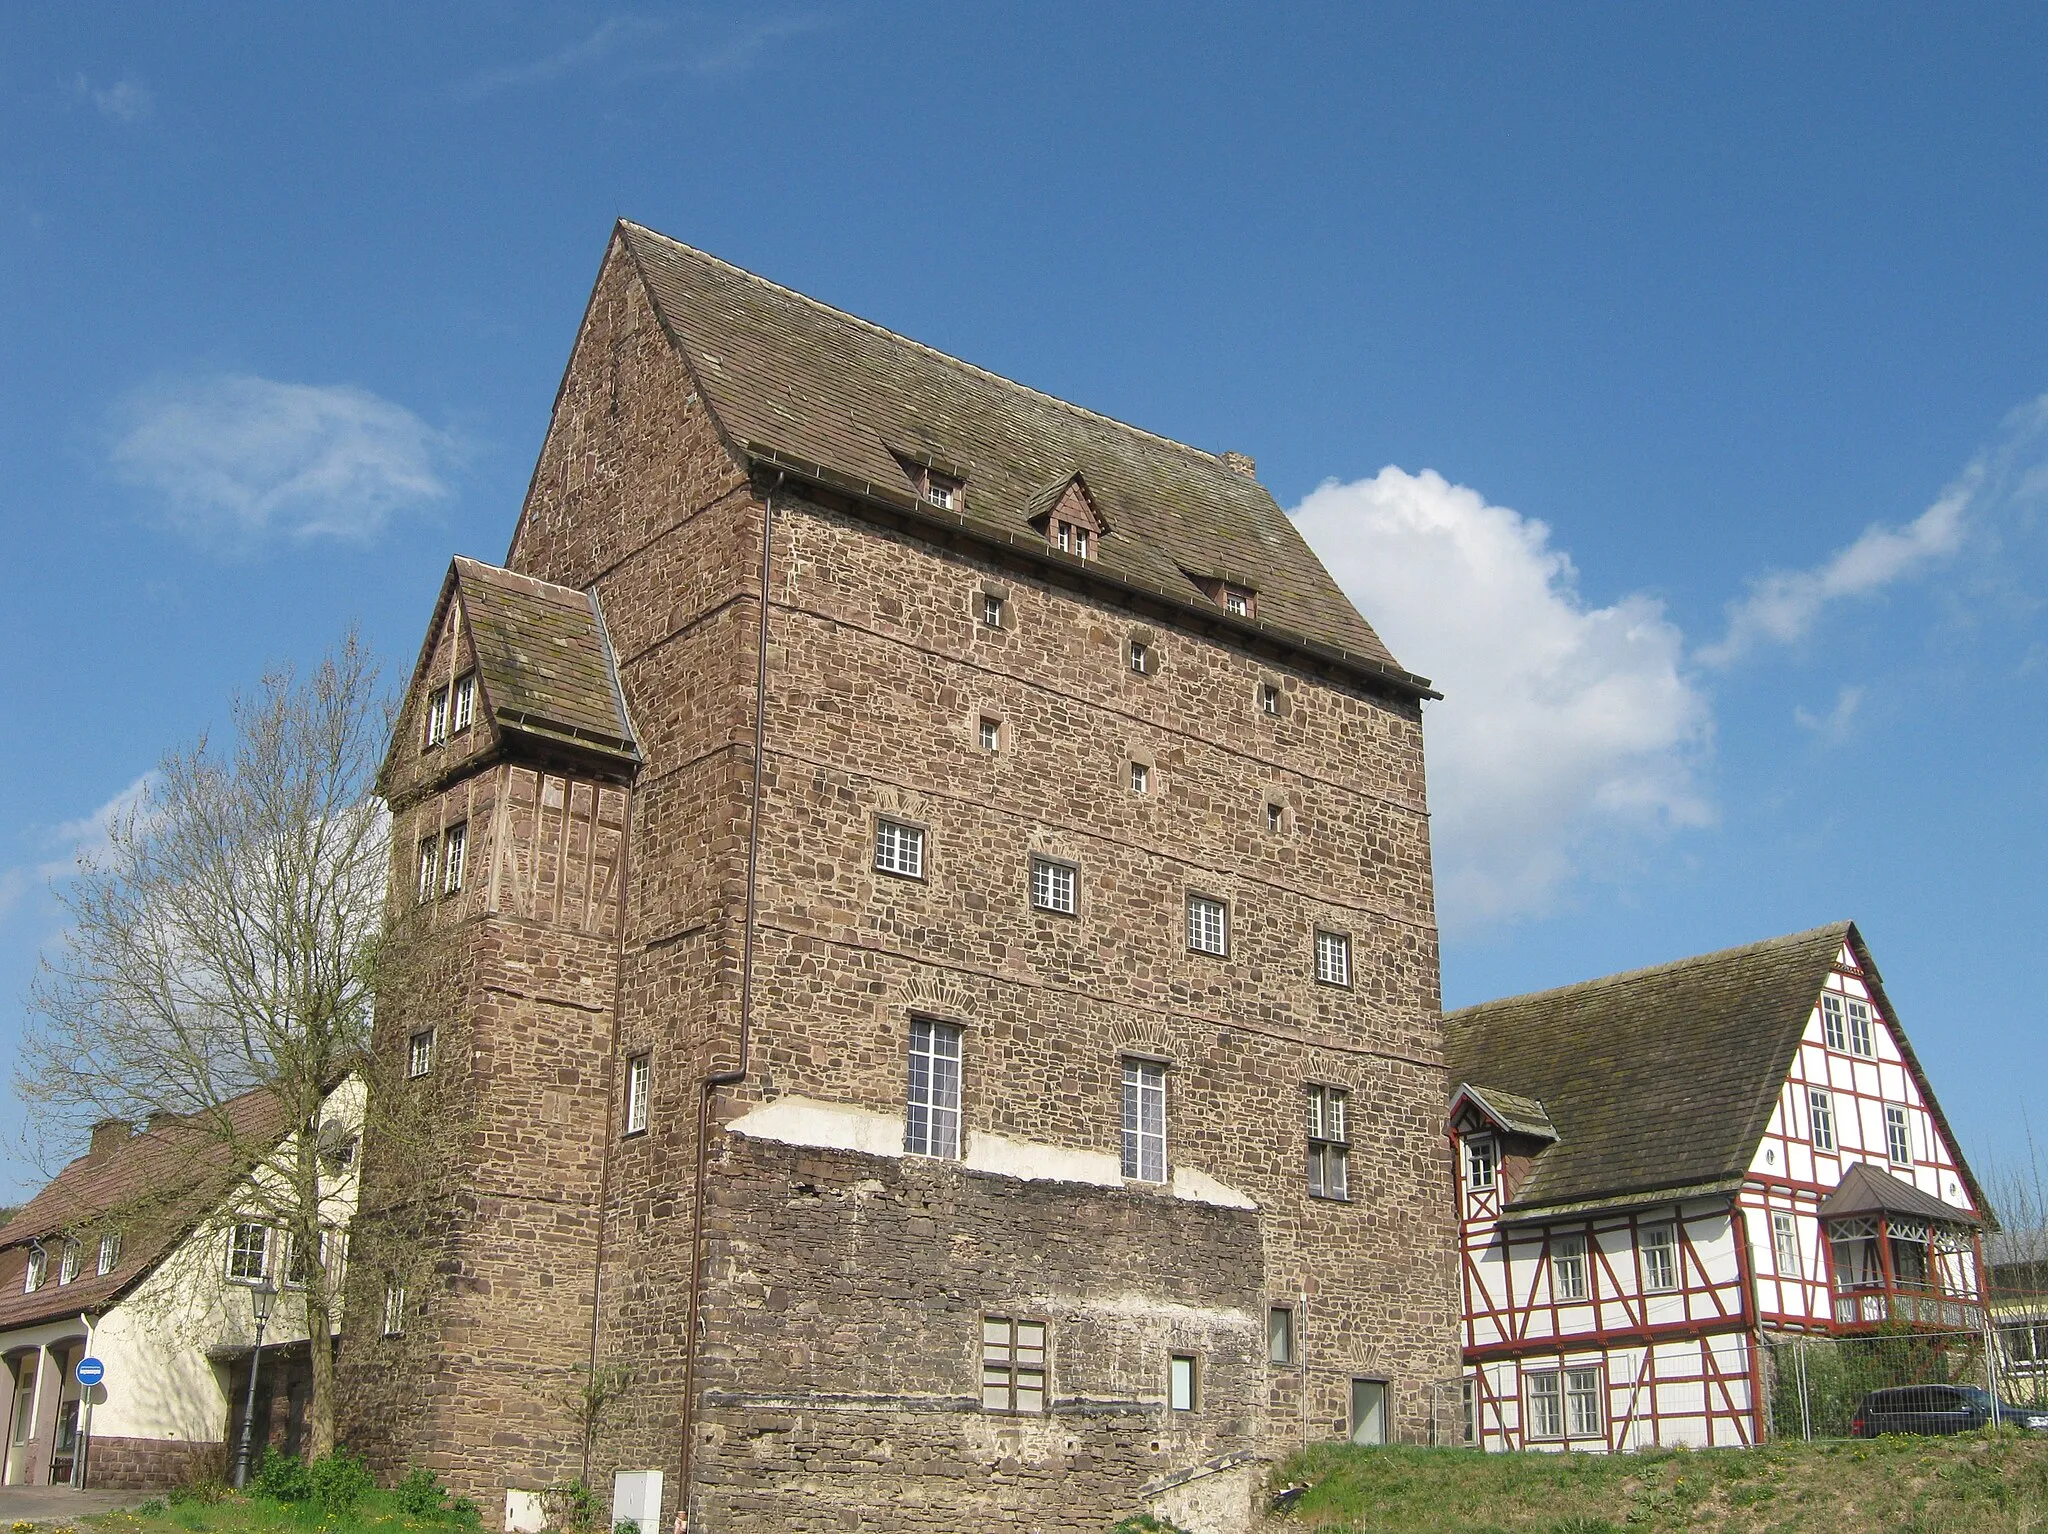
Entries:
{"x":1660,"y":1169}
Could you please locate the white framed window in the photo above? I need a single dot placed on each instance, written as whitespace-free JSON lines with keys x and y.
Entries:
{"x":1144,"y":1130}
{"x":1833,"y":1031}
{"x":1820,"y":1111}
{"x":1658,"y":1246}
{"x":1141,"y":778}
{"x":1237,"y":601}
{"x":1583,"y":1404}
{"x":1785,"y":1246}
{"x":67,"y":1262}
{"x":248,"y":1253}
{"x":931,"y":1124}
{"x":639,"y":1077}
{"x":1183,"y":1380}
{"x":1141,"y":657}
{"x":454,"y":856}
{"x":1012,"y":1365}
{"x":1072,"y":537}
{"x":462,"y":703}
{"x":38,"y":1270}
{"x":899,"y":849}
{"x":437,"y":716}
{"x":429,"y":865}
{"x":1898,"y":1135}
{"x":1269,"y":699}
{"x":110,"y":1252}
{"x":991,"y":734}
{"x":1054,"y":886}
{"x":394,"y":1308}
{"x":940,"y":492}
{"x":1280,"y":1334}
{"x":1208,"y":925}
{"x":1329,"y":1143}
{"x":991,"y":610}
{"x":1568,"y":1267}
{"x":1545,"y":1391}
{"x":1482,"y":1166}
{"x":419,"y":1053}
{"x":1333,"y":958}
{"x":1276,"y":818}
{"x":1862,"y":1041}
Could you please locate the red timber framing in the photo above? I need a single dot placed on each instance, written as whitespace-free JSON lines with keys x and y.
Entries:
{"x":1680,"y":1363}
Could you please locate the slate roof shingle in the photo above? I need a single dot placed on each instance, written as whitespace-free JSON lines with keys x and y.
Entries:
{"x":543,"y":658}
{"x":793,"y":380}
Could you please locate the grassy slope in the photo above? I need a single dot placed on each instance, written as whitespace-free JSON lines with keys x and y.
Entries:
{"x":378,"y":1514}
{"x":1976,"y":1484}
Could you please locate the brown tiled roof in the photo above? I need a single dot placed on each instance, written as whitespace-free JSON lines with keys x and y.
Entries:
{"x":151,"y":1188}
{"x":541,"y":652}
{"x":1866,"y":1189}
{"x":793,"y":381}
{"x":1655,"y":1079}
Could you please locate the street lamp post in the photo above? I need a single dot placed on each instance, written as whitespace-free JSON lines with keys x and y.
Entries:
{"x":260,"y":1298}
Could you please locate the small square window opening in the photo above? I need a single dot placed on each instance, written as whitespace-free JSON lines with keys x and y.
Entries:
{"x":991,"y":610}
{"x":1012,"y":1365}
{"x":991,"y":735}
{"x":1141,"y":778}
{"x":1208,"y":925}
{"x":1333,"y":958}
{"x":899,"y":849}
{"x":1141,"y":657}
{"x":1053,"y":886}
{"x":1269,"y":699}
{"x":1237,"y":602}
{"x":639,"y":1077}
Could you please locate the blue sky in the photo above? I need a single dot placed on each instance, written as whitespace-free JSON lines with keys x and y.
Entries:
{"x":1665,"y":381}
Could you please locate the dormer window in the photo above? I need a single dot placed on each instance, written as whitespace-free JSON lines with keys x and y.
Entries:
{"x":1237,"y":601}
{"x":1072,"y":538}
{"x":941,"y":492}
{"x":462,"y":704}
{"x":437,"y":717}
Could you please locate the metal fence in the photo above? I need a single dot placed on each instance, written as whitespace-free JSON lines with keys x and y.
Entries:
{"x":1817,"y":1387}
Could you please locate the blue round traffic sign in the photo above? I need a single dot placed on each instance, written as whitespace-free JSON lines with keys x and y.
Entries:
{"x":91,"y":1371}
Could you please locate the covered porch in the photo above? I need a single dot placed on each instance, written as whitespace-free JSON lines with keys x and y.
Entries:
{"x":1899,"y":1257}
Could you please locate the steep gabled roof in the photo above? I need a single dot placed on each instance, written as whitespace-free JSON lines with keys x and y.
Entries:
{"x":1516,"y":1114}
{"x":151,"y":1188}
{"x":543,"y":658}
{"x":1656,"y":1079}
{"x":792,"y":381}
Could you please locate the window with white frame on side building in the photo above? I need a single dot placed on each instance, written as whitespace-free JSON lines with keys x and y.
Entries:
{"x":1862,"y":1038}
{"x":454,"y":857}
{"x":1820,"y":1109}
{"x":1144,"y":1120}
{"x":1280,"y":1334}
{"x":1208,"y":925}
{"x":429,"y":866}
{"x":1834,"y":1032}
{"x":1566,"y":1403}
{"x":437,"y":717}
{"x":1898,"y":1135}
{"x":1482,"y":1164}
{"x":931,"y":1124}
{"x":1568,"y":1266}
{"x":110,"y":1252}
{"x":463,"y":704}
{"x":249,"y":1253}
{"x":1657,"y":1245}
{"x":1055,"y":886}
{"x":899,"y":849}
{"x":1329,"y":1143}
{"x":38,"y":1269}
{"x":1333,"y":958}
{"x":1785,"y":1245}
{"x":639,"y":1082}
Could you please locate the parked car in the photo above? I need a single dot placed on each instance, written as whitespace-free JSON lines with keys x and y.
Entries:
{"x":1938,"y":1409}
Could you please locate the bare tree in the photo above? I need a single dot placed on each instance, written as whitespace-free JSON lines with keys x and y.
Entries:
{"x":227,"y":942}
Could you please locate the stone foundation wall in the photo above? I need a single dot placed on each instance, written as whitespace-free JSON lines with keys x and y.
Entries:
{"x":152,"y":1464}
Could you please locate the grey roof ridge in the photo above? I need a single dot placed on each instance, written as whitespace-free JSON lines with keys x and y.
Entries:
{"x":933,"y":351}
{"x":1626,"y":976}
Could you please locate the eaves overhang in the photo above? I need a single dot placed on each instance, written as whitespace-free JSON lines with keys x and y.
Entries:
{"x":1032,"y":549}
{"x":1639,"y":1198}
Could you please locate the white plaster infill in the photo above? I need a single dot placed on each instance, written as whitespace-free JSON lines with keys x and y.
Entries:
{"x":806,"y":1121}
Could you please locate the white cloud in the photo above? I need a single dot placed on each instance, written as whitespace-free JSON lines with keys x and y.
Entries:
{"x":236,"y":458}
{"x":66,"y":846}
{"x":1783,"y":606}
{"x":1833,"y":726}
{"x":629,"y":46}
{"x":1568,"y":733}
{"x":126,"y":100}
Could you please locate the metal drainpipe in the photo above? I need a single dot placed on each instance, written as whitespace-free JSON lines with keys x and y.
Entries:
{"x":716,"y":1079}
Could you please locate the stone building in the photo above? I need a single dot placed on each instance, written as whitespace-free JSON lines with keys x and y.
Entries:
{"x":951,"y":1005}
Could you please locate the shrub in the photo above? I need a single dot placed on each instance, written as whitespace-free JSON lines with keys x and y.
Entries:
{"x":421,"y":1493}
{"x":339,"y":1481}
{"x":281,"y":1477}
{"x":1145,"y":1523}
{"x":572,"y":1508}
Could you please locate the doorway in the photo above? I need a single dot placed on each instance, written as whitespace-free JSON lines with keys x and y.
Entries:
{"x":1369,"y":1411}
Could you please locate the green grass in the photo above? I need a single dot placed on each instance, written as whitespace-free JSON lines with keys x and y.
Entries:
{"x":378,"y":1513}
{"x":1975,"y":1484}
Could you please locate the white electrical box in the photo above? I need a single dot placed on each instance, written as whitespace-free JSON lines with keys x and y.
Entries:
{"x":636,"y":1499}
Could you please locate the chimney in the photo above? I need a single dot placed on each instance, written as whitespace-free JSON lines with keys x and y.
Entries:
{"x":108,"y":1135}
{"x":1241,"y":463}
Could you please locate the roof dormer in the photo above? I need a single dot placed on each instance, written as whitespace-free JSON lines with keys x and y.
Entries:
{"x":1067,"y":514}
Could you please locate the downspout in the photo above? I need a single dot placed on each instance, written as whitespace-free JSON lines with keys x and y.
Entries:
{"x":716,"y":1079}
{"x":84,"y":1448}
